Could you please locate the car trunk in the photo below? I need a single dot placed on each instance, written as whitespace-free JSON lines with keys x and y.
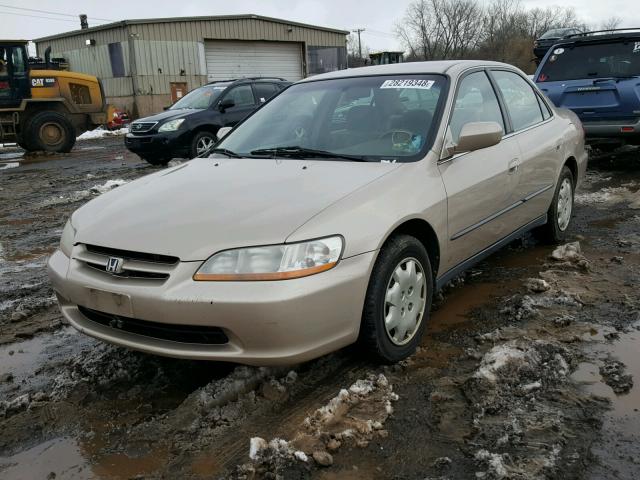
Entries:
{"x":598,"y":81}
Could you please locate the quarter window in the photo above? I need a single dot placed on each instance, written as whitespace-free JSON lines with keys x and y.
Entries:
{"x":520,"y":99}
{"x":475,"y":102}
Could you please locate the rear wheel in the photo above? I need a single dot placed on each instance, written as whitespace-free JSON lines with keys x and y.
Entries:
{"x":50,"y":132}
{"x":398,"y":300}
{"x":201,"y":143}
{"x":559,"y":213}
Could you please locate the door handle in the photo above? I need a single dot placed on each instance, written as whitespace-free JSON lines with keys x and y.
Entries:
{"x":513,"y":165}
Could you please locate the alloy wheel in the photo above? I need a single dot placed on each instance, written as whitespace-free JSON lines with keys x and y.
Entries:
{"x":204,"y":144}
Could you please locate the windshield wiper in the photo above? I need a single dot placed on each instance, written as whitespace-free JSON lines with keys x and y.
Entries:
{"x":305,"y":153}
{"x":223,"y":151}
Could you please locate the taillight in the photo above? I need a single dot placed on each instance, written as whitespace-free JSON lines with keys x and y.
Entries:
{"x":627,"y":129}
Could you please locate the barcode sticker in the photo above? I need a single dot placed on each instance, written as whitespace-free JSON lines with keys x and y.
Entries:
{"x":408,"y":83}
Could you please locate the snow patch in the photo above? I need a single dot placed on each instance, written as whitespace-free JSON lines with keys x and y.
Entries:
{"x":102,"y":133}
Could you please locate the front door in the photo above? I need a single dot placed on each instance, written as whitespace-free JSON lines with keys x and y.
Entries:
{"x":479,"y":184}
{"x":243,"y":104}
{"x":14,"y":77}
{"x":178,"y":90}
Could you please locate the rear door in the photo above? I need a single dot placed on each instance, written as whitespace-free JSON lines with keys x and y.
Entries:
{"x":539,"y":140}
{"x":599,"y":81}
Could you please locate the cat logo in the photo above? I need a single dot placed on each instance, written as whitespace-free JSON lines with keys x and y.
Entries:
{"x":43,"y":82}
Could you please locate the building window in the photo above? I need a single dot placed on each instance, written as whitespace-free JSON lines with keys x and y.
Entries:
{"x":326,"y":59}
{"x":117,"y":59}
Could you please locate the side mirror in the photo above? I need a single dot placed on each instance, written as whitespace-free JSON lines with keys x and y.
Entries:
{"x":478,"y":135}
{"x":226,"y":103}
{"x":222,"y":131}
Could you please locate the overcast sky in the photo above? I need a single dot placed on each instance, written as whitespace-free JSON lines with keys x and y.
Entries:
{"x":378,"y":16}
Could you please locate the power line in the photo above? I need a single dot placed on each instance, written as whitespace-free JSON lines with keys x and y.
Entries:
{"x":39,"y":16}
{"x":52,"y":13}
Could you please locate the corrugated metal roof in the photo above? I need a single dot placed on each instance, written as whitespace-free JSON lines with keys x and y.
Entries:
{"x":187,"y":19}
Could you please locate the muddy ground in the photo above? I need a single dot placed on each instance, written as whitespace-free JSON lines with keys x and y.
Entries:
{"x":526,"y":371}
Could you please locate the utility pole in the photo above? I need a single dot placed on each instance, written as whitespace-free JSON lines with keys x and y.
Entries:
{"x":359,"y":31}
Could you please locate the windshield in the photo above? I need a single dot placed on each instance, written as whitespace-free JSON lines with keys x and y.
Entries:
{"x":200,"y":98}
{"x":584,"y":61}
{"x":375,"y":118}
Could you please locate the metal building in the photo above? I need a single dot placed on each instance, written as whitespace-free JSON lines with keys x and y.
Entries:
{"x":145,"y":65}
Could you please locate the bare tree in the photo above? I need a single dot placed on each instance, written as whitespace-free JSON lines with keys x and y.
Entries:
{"x":611,"y":23}
{"x":437,"y":29}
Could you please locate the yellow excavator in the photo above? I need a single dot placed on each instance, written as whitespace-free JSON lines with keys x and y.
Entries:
{"x":44,"y":108}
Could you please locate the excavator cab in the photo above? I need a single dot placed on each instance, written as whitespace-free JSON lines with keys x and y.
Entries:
{"x":14,"y":73}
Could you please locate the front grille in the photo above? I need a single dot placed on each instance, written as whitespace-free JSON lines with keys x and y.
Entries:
{"x":130,"y":265}
{"x":141,"y":127}
{"x":130,"y":273}
{"x":129,"y":255}
{"x":162,"y":331}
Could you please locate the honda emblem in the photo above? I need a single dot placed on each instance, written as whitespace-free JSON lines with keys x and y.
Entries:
{"x":114,"y":265}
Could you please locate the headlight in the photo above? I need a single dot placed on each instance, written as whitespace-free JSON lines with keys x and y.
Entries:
{"x":275,"y":262}
{"x":67,"y":239}
{"x":171,"y":125}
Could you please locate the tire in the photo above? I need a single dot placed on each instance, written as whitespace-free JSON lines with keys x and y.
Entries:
{"x":157,"y":160}
{"x":559,"y":213}
{"x":50,"y":132}
{"x":200,"y":142}
{"x":389,"y":344}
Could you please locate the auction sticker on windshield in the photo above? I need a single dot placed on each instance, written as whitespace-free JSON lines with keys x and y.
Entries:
{"x":408,"y":83}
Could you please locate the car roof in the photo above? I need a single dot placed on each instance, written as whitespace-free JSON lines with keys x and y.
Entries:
{"x":449,"y":67}
{"x":602,"y":35}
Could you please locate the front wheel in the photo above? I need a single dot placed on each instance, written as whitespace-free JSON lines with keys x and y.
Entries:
{"x":50,"y":132}
{"x":398,"y":300}
{"x":201,"y":143}
{"x":559,"y":213}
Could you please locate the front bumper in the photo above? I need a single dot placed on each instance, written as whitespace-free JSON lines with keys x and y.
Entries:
{"x":165,"y":143}
{"x":267,"y":323}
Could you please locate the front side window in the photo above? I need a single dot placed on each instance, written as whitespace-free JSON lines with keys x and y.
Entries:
{"x":475,"y":102}
{"x":587,"y":61}
{"x":389,"y":118}
{"x":520,"y":99}
{"x":200,"y":98}
{"x":241,"y":96}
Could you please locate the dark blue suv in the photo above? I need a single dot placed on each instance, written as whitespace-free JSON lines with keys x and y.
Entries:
{"x":597,"y":75}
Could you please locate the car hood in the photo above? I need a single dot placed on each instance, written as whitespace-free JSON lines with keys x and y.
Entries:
{"x":168,"y":115}
{"x":206,"y":205}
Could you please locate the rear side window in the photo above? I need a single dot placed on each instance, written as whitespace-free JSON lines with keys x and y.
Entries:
{"x":618,"y":59}
{"x":241,"y":95}
{"x":475,"y":102}
{"x":520,"y":99}
{"x":264,"y":91}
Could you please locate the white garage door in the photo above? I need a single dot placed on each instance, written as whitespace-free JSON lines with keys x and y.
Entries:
{"x":237,"y":59}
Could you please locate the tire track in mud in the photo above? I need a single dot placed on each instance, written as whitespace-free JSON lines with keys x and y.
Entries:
{"x":285,"y":419}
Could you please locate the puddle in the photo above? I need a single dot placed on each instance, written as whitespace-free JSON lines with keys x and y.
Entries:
{"x":60,"y":456}
{"x":24,"y":360}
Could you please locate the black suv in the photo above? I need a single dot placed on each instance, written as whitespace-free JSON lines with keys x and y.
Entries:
{"x":188,"y":128}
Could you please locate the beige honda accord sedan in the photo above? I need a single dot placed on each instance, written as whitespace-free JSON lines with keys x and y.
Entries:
{"x":331,"y":215}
